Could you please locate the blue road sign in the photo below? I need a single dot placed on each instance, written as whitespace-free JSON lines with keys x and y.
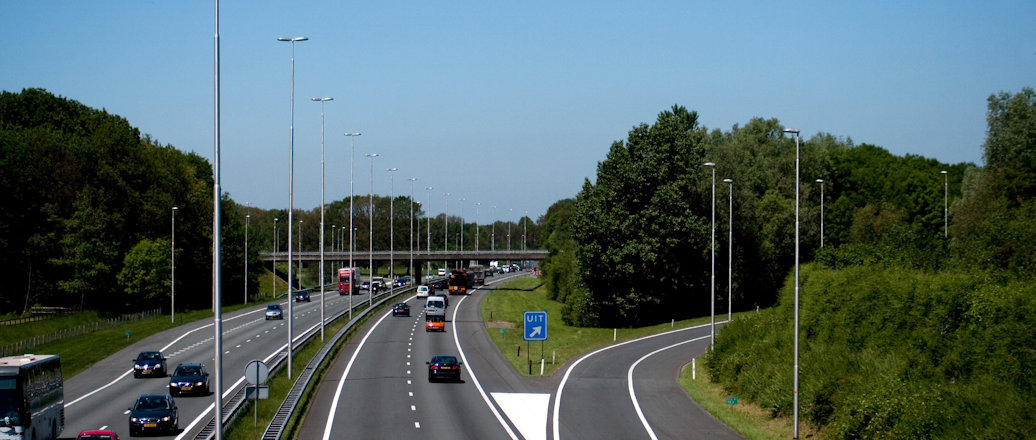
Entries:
{"x":535,"y":325}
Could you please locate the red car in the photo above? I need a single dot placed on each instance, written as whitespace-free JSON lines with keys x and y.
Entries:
{"x":98,"y":435}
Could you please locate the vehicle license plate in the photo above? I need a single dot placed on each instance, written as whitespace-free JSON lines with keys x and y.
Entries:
{"x":151,"y":425}
{"x":186,"y":388}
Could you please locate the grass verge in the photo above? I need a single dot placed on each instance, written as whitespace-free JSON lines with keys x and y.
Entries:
{"x":745,"y":417}
{"x":502,"y":311}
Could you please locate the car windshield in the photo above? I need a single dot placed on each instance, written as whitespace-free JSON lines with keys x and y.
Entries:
{"x":188,"y":371}
{"x":444,"y":360}
{"x":273,"y":308}
{"x":149,"y":356}
{"x":145,"y":403}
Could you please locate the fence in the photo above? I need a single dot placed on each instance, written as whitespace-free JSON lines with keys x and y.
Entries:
{"x":29,"y":344}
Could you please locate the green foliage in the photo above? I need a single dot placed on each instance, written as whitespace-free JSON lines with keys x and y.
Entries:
{"x":892,"y":353}
{"x":145,"y":274}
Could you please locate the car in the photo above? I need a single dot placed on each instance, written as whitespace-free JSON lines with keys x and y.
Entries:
{"x":189,"y":378}
{"x":303,"y":295}
{"x":489,"y":272}
{"x":423,"y":291}
{"x":150,"y":363}
{"x":97,"y":434}
{"x":403,"y":281}
{"x":154,"y":413}
{"x":443,"y":367}
{"x":442,"y":271}
{"x":273,"y":311}
{"x":379,"y":283}
{"x":401,"y":309}
{"x":434,"y":321}
{"x":366,"y":285}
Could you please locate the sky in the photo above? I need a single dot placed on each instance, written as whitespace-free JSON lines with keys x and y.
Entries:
{"x":511,"y":105}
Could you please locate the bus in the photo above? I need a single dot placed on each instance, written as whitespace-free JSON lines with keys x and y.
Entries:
{"x":32,"y":400}
{"x":348,"y":281}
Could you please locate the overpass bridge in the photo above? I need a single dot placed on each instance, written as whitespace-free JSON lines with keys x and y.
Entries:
{"x":482,"y":256}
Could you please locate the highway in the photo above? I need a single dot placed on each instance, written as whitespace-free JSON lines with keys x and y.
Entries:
{"x":98,"y":398}
{"x":626,"y":390}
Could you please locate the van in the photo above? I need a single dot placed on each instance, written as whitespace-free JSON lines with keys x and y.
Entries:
{"x":435,"y":304}
{"x":435,"y":321}
{"x":423,"y":291}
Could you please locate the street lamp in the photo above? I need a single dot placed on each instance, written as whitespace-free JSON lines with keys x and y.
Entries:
{"x":461,"y":247}
{"x":392,"y":231}
{"x":493,"y":234}
{"x":172,"y":273}
{"x":322,"y":101}
{"x":730,"y":250}
{"x":510,"y":215}
{"x":247,"y":218}
{"x":525,"y":229}
{"x":712,"y":296}
{"x":411,"y":270}
{"x":446,"y":229}
{"x":370,"y":250}
{"x":821,"y":182}
{"x":352,"y":160}
{"x":429,"y":240}
{"x":477,"y":204}
{"x":291,"y":189}
{"x":795,"y":391}
{"x":273,"y":274}
{"x":945,"y":204}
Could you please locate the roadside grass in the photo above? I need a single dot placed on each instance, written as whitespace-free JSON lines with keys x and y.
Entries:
{"x":747,"y":418}
{"x":502,"y":312}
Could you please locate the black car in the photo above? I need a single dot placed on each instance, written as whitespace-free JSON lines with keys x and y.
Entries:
{"x":154,"y":413}
{"x":302,"y":295}
{"x":273,"y":311}
{"x":150,"y":363}
{"x":443,"y":367}
{"x":489,"y":272}
{"x":401,"y":309}
{"x":189,"y":378}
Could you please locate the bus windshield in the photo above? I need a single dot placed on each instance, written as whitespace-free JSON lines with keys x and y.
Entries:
{"x":9,"y":397}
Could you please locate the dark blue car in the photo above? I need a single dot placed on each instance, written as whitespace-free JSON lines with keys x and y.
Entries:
{"x":154,"y":413}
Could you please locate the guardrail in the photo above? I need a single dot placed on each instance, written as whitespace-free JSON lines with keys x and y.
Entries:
{"x":283,"y":414}
{"x":29,"y":344}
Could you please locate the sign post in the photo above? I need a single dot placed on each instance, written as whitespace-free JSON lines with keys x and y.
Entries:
{"x":535,"y":326}
{"x":256,"y":373}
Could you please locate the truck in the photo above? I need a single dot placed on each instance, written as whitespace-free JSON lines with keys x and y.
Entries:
{"x":348,"y":281}
{"x":477,"y":274}
{"x":459,"y":282}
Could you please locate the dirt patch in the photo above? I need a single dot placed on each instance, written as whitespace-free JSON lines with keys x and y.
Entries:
{"x":500,"y":324}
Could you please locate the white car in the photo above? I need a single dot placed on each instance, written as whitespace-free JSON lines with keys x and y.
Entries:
{"x":442,"y":271}
{"x":423,"y":291}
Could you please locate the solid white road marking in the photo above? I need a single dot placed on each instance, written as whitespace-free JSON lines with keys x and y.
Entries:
{"x":528,"y":412}
{"x":633,"y":394}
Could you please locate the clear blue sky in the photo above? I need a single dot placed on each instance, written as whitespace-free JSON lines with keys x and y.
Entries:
{"x":528,"y":96}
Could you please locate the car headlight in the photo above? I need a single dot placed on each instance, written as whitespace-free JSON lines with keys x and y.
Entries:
{"x":133,"y":419}
{"x":200,"y":383}
{"x":172,"y":384}
{"x":165,"y":419}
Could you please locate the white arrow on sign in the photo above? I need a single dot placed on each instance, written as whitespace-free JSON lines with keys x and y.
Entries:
{"x":535,"y":331}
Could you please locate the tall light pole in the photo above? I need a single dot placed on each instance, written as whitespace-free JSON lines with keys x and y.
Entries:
{"x":322,"y":101}
{"x":352,"y":276}
{"x":392,"y":230}
{"x":510,"y":215}
{"x":273,"y":274}
{"x":413,"y":275}
{"x":217,"y":240}
{"x":429,"y":240}
{"x":730,"y":251}
{"x":795,"y":391}
{"x":446,"y":229}
{"x":525,"y":229}
{"x":291,"y":193}
{"x":712,"y":284}
{"x":247,"y":218}
{"x":477,"y":204}
{"x":461,"y":247}
{"x":172,"y":273}
{"x":493,"y":233}
{"x":370,"y":249}
{"x":945,"y":204}
{"x":821,"y":182}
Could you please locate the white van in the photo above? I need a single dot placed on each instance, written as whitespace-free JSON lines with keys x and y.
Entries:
{"x":423,"y":291}
{"x":435,"y":304}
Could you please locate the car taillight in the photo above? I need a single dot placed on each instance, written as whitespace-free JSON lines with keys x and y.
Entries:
{"x":435,"y":367}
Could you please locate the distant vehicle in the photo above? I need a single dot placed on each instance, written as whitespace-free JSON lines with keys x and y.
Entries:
{"x":442,"y":271}
{"x":347,"y":281}
{"x":476,"y":275}
{"x":443,"y":367}
{"x":273,"y":311}
{"x":403,"y":281}
{"x":303,"y":295}
{"x":32,"y":397}
{"x":366,"y":285}
{"x":459,"y":283}
{"x":423,"y":291}
{"x":101,"y":434}
{"x":189,"y":378}
{"x":489,"y":273}
{"x":434,"y":321}
{"x":379,"y":283}
{"x":150,"y":363}
{"x":154,"y":413}
{"x":505,"y":269}
{"x":401,"y":309}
